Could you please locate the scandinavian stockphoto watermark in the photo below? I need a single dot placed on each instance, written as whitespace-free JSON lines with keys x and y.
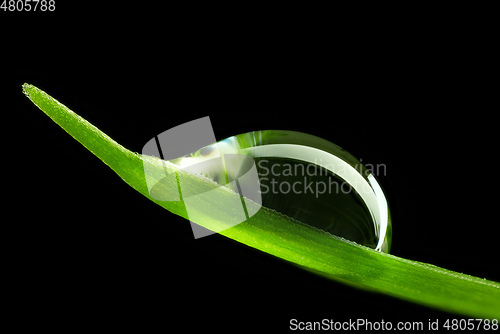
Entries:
{"x":185,"y":139}
{"x":286,"y":178}
{"x":367,"y":325}
{"x":234,"y":169}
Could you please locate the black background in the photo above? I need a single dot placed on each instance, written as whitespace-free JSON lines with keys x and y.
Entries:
{"x":87,"y":249}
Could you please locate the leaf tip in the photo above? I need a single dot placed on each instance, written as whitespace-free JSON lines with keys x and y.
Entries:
{"x":27,"y":89}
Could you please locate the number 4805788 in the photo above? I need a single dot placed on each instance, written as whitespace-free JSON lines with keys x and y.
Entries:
{"x":28,"y":5}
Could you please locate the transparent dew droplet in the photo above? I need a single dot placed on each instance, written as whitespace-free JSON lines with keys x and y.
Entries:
{"x":311,"y":180}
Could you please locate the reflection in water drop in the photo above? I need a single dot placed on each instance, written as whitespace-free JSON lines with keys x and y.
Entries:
{"x":309,"y":179}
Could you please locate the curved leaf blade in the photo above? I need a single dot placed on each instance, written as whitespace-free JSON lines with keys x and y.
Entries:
{"x":286,"y":238}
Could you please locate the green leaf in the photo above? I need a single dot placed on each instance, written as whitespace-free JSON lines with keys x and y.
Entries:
{"x":289,"y":239}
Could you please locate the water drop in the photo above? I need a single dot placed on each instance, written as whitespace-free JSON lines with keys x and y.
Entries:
{"x":313,"y":181}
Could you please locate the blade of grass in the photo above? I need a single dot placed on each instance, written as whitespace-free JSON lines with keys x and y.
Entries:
{"x":286,"y":238}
